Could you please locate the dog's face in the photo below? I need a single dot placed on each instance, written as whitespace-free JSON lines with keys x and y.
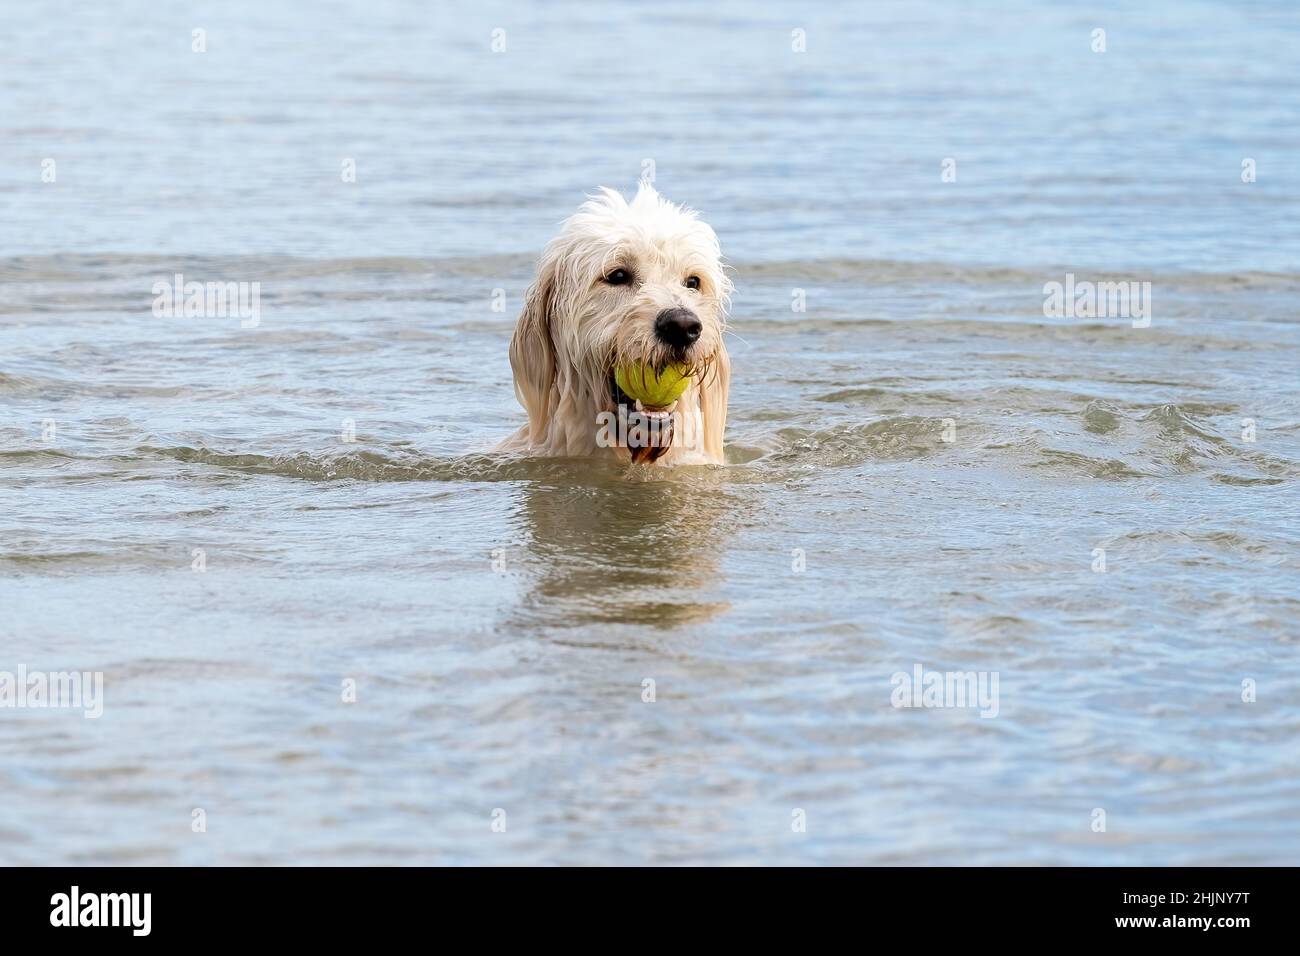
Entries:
{"x":647,"y":285}
{"x":624,"y":283}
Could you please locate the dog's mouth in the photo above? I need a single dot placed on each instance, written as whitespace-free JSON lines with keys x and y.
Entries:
{"x":645,"y":431}
{"x":623,"y":400}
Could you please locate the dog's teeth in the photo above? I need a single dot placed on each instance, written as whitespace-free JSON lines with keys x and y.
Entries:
{"x":639,"y":406}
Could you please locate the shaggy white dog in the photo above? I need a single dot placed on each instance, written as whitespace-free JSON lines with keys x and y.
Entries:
{"x":624,"y":283}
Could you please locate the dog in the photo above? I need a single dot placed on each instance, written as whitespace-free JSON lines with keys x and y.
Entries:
{"x":637,"y":283}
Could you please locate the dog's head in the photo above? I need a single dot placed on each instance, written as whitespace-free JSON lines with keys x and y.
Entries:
{"x":624,"y":283}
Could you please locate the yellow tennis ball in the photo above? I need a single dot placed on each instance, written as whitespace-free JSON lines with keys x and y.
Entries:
{"x":639,"y":381}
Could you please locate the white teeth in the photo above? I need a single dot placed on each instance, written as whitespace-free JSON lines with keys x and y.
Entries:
{"x":655,"y":412}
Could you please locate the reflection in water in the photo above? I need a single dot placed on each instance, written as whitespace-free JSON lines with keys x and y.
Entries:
{"x":627,"y":550}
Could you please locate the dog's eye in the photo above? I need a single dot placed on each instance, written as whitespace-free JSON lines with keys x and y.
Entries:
{"x":619,"y":277}
{"x":693,"y":282}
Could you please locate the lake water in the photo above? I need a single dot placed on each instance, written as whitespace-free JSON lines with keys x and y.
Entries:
{"x":925,"y":469}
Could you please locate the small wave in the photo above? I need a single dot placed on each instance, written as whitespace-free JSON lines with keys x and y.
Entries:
{"x":91,"y":267}
{"x":373,"y":466}
{"x":875,"y":395}
{"x":879,"y":271}
{"x":113,"y":266}
{"x":1102,"y":441}
{"x":1136,"y":547}
{"x":1107,"y":469}
{"x":1167,"y":440}
{"x":896,"y":439}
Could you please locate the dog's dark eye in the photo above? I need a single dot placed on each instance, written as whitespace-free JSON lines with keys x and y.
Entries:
{"x":692,"y":282}
{"x":619,"y":277}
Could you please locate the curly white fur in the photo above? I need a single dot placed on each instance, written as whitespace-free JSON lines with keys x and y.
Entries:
{"x":576,"y":327}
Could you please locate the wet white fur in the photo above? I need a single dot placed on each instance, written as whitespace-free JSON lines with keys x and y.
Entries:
{"x":575,"y":326}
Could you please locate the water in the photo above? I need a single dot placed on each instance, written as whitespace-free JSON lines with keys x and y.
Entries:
{"x":499,"y":617}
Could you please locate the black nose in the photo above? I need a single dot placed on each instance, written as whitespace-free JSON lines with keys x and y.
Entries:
{"x":678,"y":327}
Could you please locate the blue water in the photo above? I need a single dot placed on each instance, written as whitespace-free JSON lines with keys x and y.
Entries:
{"x":923,"y":465}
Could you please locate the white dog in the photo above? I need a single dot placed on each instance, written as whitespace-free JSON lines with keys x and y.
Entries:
{"x":624,"y":283}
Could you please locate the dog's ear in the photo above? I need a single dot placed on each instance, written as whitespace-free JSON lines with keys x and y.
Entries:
{"x":532,"y":355}
{"x":713,"y":403}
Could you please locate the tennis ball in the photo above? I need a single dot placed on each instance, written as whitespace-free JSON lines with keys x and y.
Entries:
{"x":640,"y":382}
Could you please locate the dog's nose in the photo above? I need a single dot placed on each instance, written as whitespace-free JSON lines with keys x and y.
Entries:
{"x":678,"y":327}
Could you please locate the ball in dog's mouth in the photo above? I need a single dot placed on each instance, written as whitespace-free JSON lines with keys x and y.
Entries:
{"x":653,"y":387}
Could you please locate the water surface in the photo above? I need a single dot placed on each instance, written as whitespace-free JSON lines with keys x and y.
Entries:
{"x":923,"y":466}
